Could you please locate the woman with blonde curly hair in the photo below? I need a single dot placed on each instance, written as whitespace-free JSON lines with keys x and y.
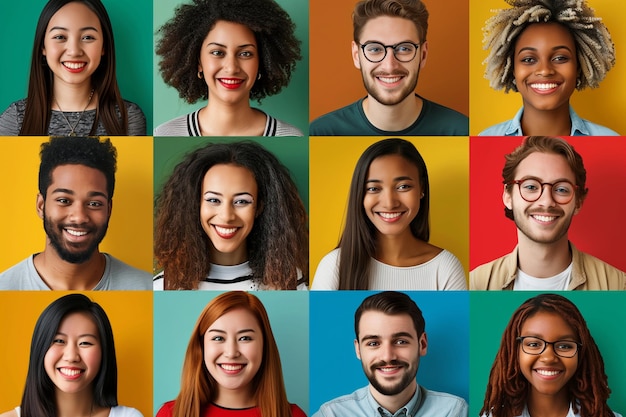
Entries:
{"x":232,"y":366}
{"x":546,"y":49}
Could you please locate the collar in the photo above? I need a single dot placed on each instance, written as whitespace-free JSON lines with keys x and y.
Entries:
{"x":410,"y":409}
{"x":578,"y":272}
{"x":514,"y":128}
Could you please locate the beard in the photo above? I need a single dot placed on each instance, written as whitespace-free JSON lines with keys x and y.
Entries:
{"x":373,"y":90}
{"x":523,"y":224}
{"x":55,"y":234}
{"x":407,"y":378}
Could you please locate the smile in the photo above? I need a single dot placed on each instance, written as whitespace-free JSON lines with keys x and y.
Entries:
{"x":225,"y":232}
{"x":70,"y":372}
{"x":545,"y":219}
{"x":74,"y":65}
{"x":231,"y":83}
{"x":231,"y":367}
{"x":75,"y":232}
{"x":544,"y":88}
{"x":545,"y":372}
{"x":388,"y":369}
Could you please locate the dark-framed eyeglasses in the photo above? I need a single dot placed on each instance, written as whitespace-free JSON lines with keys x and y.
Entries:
{"x":531,"y":190}
{"x":533,"y":345}
{"x":403,"y":51}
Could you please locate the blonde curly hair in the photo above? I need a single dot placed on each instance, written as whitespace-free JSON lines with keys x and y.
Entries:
{"x":594,"y":47}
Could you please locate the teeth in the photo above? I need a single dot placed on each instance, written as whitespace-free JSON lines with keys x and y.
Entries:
{"x":388,"y":369}
{"x":225,"y":231}
{"x":544,"y":86}
{"x":69,"y":372}
{"x":231,"y":367}
{"x":547,"y":373}
{"x":389,"y":80}
{"x":74,"y":65}
{"x":544,"y":218}
{"x":389,"y":215}
{"x":75,"y":233}
{"x":226,"y":81}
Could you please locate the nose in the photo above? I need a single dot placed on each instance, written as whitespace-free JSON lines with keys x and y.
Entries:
{"x":389,"y":199}
{"x":231,"y":64}
{"x":545,"y":68}
{"x":73,"y":46}
{"x":79,"y":214}
{"x":227,"y":212}
{"x":548,"y":354}
{"x":231,"y":350}
{"x":390,"y":60}
{"x":387,"y":352}
{"x":70,"y":353}
{"x":546,"y":199}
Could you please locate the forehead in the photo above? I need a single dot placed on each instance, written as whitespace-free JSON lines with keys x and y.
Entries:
{"x":389,"y":30}
{"x":545,"y":166}
{"x":547,"y":35}
{"x":392,"y":166}
{"x":548,"y":325}
{"x":229,"y":177}
{"x":377,"y":323}
{"x":230,"y":32}
{"x":78,"y":178}
{"x":74,"y":14}
{"x":237,"y":319}
{"x":79,"y":323}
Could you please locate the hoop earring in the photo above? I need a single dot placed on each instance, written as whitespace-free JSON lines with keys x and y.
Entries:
{"x":258,"y":77}
{"x":578,"y":82}
{"x":200,"y":74}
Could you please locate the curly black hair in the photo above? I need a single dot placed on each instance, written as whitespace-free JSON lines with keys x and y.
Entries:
{"x":89,"y":151}
{"x":181,"y":39}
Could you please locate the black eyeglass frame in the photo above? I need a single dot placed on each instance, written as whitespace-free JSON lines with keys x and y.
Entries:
{"x":520,"y":339}
{"x":385,"y":47}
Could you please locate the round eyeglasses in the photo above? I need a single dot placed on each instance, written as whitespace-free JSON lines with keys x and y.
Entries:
{"x":403,"y":51}
{"x":535,"y":346}
{"x":531,"y":190}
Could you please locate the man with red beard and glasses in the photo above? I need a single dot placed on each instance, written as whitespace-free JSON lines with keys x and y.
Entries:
{"x":390,"y":340}
{"x":76,"y":183}
{"x":544,"y":187}
{"x":390,"y":49}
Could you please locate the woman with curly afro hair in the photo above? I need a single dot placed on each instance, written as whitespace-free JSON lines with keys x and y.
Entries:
{"x":229,"y":52}
{"x":546,"y":49}
{"x":230,"y":218}
{"x":548,"y":364}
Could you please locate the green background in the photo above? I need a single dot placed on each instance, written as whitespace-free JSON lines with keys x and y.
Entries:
{"x":132,"y":28}
{"x":292,"y":152}
{"x":603,"y":311}
{"x":291,"y":105}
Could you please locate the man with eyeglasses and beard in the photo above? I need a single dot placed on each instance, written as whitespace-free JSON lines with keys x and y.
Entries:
{"x":76,"y":183}
{"x":544,"y":187}
{"x":390,"y":340}
{"x":390,"y":49}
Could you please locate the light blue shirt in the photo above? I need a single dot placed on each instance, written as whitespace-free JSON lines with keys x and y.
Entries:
{"x":424,"y":402}
{"x":580,"y":127}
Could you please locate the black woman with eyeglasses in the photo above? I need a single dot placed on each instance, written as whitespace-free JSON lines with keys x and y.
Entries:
{"x":544,"y":187}
{"x":390,"y":49}
{"x":547,"y":364}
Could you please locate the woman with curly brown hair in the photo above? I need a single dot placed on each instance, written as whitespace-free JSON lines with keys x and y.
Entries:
{"x":230,"y":218}
{"x":548,"y":364}
{"x":546,"y":49}
{"x":229,"y":52}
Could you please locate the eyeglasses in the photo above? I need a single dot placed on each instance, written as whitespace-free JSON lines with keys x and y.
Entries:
{"x":531,"y":190}
{"x":535,"y":346}
{"x":403,"y":51}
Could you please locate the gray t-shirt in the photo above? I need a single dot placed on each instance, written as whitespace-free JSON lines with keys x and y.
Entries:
{"x":12,"y":118}
{"x":117,"y":276}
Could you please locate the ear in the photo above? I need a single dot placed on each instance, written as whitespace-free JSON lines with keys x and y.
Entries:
{"x":355,"y":55}
{"x":199,"y":66}
{"x":423,"y":343}
{"x":357,"y":349}
{"x":110,"y":207}
{"x":579,"y":205}
{"x":40,"y":205}
{"x":506,"y":198}
{"x":423,"y":54}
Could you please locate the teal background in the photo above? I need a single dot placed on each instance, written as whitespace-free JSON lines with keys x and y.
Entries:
{"x":176,"y":312}
{"x":335,"y":369}
{"x":292,"y":152}
{"x":290,"y":105}
{"x":602,"y":311}
{"x":132,"y":29}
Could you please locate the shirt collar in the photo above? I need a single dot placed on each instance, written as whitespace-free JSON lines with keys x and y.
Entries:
{"x":409,"y":409}
{"x":579,"y":128}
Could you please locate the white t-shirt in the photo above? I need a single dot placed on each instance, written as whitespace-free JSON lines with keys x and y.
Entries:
{"x":559,"y":282}
{"x":119,"y":411}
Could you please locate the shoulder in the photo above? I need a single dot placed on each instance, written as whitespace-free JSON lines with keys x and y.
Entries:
{"x":452,"y":272}
{"x":445,"y":404}
{"x":327,"y":272}
{"x":125,"y":277}
{"x":19,"y":277}
{"x":600,"y":275}
{"x":158,"y":281}
{"x":121,"y":411}
{"x":491,"y":275}
{"x":349,"y":404}
{"x":136,"y":119}
{"x":133,"y":108}
{"x":285,"y":129}
{"x":345,"y":121}
{"x":444,"y":112}
{"x":598,"y":130}
{"x":15,"y":413}
{"x":296,"y":411}
{"x":436,"y":119}
{"x":166,"y":409}
{"x":11,"y":118}
{"x":176,"y":127}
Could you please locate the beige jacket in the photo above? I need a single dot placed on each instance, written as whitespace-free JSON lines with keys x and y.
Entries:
{"x":588,"y":273}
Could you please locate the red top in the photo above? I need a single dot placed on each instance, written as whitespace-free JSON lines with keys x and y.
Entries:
{"x":216,"y":411}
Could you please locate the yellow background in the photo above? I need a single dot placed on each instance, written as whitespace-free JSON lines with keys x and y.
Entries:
{"x":129,"y":236}
{"x":603,"y":105}
{"x":332,"y":161}
{"x":130,"y":314}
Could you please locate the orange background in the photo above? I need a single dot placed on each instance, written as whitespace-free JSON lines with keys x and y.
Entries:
{"x":334,"y":81}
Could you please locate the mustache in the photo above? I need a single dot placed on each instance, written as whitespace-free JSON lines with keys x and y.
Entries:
{"x":548,"y":210}
{"x":390,"y":74}
{"x":390,"y":363}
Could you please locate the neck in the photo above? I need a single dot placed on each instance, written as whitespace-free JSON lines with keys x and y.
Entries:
{"x":75,"y":405}
{"x":59,"y":274}
{"x":397,"y":250}
{"x":235,"y":398}
{"x":70,"y":97}
{"x":546,"y":122}
{"x":239,"y":256}
{"x":540,"y":405}
{"x":393,"y":403}
{"x":394,"y":117}
{"x":543,"y":260}
{"x":236,"y":119}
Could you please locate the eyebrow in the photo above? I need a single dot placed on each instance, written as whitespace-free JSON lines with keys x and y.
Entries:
{"x":532,"y":177}
{"x":71,"y":192}
{"x":238,"y":331}
{"x":81,"y":29}
{"x":529,"y":48}
{"x":222,"y":195}
{"x":382,"y":43}
{"x":80,"y":335}
{"x":564,"y":337}
{"x":224,"y":46}
{"x":393,"y":336}
{"x":402,"y":178}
